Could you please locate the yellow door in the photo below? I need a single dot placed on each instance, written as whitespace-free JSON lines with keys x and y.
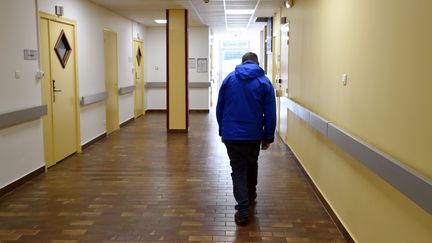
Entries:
{"x":111,"y":81}
{"x":139,"y":77}
{"x":59,"y":89}
{"x":275,"y":77}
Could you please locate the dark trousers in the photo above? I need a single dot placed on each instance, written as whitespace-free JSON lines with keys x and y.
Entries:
{"x":244,"y":164}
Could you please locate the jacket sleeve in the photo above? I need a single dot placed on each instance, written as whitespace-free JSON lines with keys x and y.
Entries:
{"x":220,"y":107}
{"x":269,"y":114}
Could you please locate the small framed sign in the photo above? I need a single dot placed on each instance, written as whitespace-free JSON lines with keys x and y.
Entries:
{"x":192,"y":63}
{"x":202,"y":65}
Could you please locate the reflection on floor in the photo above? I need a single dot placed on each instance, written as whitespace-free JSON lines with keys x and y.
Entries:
{"x":143,"y":185}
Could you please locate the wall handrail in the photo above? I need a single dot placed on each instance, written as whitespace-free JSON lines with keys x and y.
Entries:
{"x":126,"y":90}
{"x":93,"y":98}
{"x":190,"y":84}
{"x":21,"y":116}
{"x":403,"y":178}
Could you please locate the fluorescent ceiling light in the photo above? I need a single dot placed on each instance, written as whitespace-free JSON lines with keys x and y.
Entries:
{"x":236,"y":29}
{"x":161,"y":21}
{"x":240,"y":11}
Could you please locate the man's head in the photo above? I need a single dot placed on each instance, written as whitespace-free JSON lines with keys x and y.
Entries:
{"x":250,"y":56}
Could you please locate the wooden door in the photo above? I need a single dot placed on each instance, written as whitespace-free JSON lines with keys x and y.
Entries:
{"x":139,"y":77}
{"x":111,"y":81}
{"x":59,"y":88}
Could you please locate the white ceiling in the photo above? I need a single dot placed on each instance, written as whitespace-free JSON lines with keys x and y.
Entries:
{"x":210,"y":14}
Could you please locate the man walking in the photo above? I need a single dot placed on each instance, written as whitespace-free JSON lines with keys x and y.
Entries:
{"x":246,"y":114}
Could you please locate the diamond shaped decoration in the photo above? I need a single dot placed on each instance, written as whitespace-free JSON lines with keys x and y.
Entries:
{"x":63,"y":49}
{"x":138,"y":56}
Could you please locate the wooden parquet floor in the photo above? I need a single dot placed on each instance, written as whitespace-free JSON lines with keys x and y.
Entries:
{"x":143,"y":185}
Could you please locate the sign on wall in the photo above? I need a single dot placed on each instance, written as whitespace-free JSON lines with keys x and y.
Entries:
{"x":235,"y":44}
{"x":202,"y":65}
{"x":191,"y":63}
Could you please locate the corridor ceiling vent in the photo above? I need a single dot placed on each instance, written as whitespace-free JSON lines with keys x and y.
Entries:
{"x":239,"y":14}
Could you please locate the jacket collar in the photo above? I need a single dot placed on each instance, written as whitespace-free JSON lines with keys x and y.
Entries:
{"x":249,"y":62}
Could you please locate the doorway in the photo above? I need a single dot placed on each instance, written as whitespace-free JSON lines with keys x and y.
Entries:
{"x":111,"y":81}
{"x":59,"y":88}
{"x":139,"y":77}
{"x":231,"y":52}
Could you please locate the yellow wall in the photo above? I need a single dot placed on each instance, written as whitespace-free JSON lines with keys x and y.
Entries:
{"x":385,"y":48}
{"x":177,"y":71}
{"x":276,"y":48}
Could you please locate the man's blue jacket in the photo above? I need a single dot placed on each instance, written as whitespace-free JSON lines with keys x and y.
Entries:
{"x":246,"y":108}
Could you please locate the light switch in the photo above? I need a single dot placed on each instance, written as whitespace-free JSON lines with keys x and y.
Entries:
{"x":344,"y":79}
{"x":17,"y":74}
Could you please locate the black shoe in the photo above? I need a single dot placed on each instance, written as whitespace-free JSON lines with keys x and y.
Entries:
{"x":240,"y":220}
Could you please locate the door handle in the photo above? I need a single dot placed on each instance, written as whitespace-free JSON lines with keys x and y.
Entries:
{"x":55,"y":90}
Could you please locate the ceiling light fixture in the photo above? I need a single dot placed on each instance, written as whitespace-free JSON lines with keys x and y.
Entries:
{"x":236,"y":29}
{"x":226,"y":21}
{"x":161,"y":21}
{"x":251,"y":17}
{"x":240,"y":11}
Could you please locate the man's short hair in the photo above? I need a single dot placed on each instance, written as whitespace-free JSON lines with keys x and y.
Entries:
{"x":250,"y":56}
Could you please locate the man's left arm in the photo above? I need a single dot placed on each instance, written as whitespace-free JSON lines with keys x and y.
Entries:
{"x":220,"y":107}
{"x":269,"y":116}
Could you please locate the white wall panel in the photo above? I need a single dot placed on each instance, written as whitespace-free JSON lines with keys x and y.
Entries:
{"x":155,"y":54}
{"x":199,"y":98}
{"x":156,"y":99}
{"x":89,"y":114}
{"x":21,"y":150}
{"x":155,"y":66}
{"x":199,"y":48}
